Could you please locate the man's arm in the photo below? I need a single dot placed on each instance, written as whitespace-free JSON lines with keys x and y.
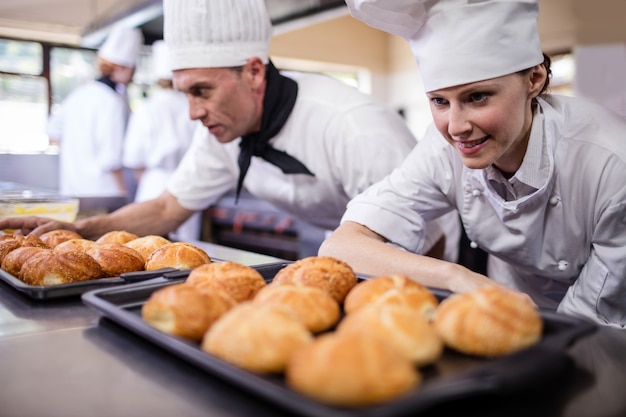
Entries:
{"x":159,"y":217}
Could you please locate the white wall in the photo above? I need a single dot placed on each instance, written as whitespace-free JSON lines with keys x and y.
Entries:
{"x":601,"y":75}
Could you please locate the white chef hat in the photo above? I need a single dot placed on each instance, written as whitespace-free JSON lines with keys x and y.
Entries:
{"x":216,"y":33}
{"x":161,"y":61}
{"x":459,"y":41}
{"x":122,"y":46}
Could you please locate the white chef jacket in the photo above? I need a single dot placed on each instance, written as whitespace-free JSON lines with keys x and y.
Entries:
{"x":158,"y":135}
{"x":90,"y":128}
{"x":346,"y":138}
{"x":564,"y":244}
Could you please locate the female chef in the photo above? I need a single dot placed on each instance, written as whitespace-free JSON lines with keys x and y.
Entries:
{"x":538,"y":179}
{"x":91,"y":124}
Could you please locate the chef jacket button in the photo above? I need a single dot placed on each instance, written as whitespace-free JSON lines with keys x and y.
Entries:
{"x":473,"y":245}
{"x":554,"y":200}
{"x":476,"y":193}
{"x":563,"y":265}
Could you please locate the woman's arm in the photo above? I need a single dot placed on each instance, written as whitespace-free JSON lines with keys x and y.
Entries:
{"x":369,"y":253}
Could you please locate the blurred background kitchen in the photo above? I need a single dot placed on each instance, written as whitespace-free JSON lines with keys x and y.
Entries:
{"x":48,"y":48}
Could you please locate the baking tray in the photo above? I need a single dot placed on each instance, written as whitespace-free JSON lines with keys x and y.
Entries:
{"x":455,"y":376}
{"x":46,"y":292}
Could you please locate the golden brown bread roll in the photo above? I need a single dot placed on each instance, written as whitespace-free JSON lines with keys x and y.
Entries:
{"x":117,"y":236}
{"x":8,"y":244}
{"x":116,"y":259}
{"x":402,"y":327}
{"x":32,"y":240}
{"x":75,"y":245}
{"x":147,"y":244}
{"x":239,"y":281}
{"x":330,"y":274}
{"x":179,"y":255}
{"x":184,"y":310}
{"x":55,"y":237}
{"x":13,"y":261}
{"x":350,"y":370}
{"x":313,"y":306}
{"x":8,"y":236}
{"x":52,"y":268}
{"x":488,"y":322}
{"x":393,"y":289}
{"x":255,"y":337}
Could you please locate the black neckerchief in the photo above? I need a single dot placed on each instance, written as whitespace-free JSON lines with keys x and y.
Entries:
{"x":280,"y":97}
{"x":107,"y":81}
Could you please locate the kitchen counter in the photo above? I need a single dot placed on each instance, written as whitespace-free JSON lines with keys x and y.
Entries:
{"x":61,"y":358}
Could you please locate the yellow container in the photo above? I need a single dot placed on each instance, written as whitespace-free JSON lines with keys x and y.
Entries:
{"x":58,"y":208}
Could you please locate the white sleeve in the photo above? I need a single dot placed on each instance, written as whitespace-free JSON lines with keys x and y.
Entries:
{"x":419,"y":191}
{"x":137,"y":141}
{"x":54,"y":128}
{"x":207,"y":171}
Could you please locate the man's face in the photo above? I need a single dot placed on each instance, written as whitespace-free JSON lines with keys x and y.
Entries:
{"x":228,"y":102}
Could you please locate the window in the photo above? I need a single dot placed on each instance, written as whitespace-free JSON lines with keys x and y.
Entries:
{"x":68,"y":69}
{"x":23,"y":97}
{"x":21,"y":57}
{"x":28,"y":93}
{"x":562,"y":67}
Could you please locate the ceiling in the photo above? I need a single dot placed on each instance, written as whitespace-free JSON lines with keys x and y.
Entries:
{"x":87,"y":22}
{"x":562,"y":24}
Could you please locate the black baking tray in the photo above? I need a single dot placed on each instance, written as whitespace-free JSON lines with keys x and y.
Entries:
{"x":46,"y":292}
{"x":455,"y":376}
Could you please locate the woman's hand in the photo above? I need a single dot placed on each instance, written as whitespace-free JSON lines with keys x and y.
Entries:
{"x":465,"y":281}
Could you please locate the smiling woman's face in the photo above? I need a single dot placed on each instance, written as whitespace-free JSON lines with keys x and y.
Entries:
{"x":488,"y":122}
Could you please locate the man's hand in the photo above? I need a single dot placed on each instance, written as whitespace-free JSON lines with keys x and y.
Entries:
{"x":33,"y":225}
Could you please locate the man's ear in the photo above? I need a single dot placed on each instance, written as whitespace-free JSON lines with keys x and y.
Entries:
{"x":254,"y":71}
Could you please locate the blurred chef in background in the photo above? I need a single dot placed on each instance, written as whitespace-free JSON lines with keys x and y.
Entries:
{"x":307,"y":145}
{"x":158,"y":135}
{"x":537,"y":178}
{"x":91,"y":124}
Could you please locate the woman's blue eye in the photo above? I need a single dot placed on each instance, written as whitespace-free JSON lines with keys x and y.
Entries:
{"x":478,"y":97}
{"x":437,"y":101}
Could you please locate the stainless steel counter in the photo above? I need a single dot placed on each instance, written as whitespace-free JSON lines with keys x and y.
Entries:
{"x":59,"y":358}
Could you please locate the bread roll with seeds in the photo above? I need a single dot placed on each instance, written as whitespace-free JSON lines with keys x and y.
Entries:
{"x":327,"y":273}
{"x":488,"y":322}
{"x":184,"y":310}
{"x":54,"y":268}
{"x":239,"y":281}
{"x":179,"y":255}
{"x":350,"y":369}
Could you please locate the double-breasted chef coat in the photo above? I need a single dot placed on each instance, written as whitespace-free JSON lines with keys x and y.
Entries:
{"x":564,"y":243}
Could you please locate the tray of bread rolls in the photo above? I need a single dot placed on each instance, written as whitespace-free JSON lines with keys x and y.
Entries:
{"x":61,"y":263}
{"x":316,"y":339}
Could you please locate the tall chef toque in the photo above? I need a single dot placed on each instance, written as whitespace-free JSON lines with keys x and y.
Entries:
{"x":457,"y":42}
{"x":215,"y":33}
{"x":122,"y":46}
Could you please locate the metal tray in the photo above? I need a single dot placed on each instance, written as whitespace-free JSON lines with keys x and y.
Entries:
{"x":45,"y":292}
{"x":453,"y":377}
